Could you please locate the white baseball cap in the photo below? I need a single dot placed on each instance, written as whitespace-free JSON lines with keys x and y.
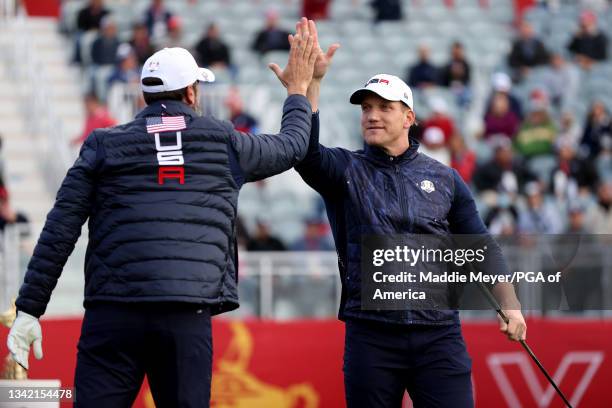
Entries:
{"x":501,"y":82}
{"x":386,"y":86}
{"x":176,"y":68}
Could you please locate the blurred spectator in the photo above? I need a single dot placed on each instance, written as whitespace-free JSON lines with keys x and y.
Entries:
{"x":315,"y":9}
{"x":502,"y":217}
{"x":104,"y":47}
{"x":503,"y":172}
{"x":127,"y":70}
{"x":577,"y":219}
{"x":572,"y":175}
{"x":423,"y":74}
{"x":316,"y":237}
{"x":271,"y":38}
{"x":174,"y":35}
{"x":589,"y":44}
{"x":457,"y":71}
{"x":97,"y":116}
{"x":456,"y":74}
{"x":501,"y":83}
{"x":261,"y":240}
{"x":90,"y":16}
{"x":500,"y":120}
{"x":462,"y":159}
{"x":7,"y":214}
{"x":440,"y":118}
{"x":569,"y":130}
{"x":540,"y":216}
{"x":156,"y":18}
{"x":433,"y":145}
{"x":528,"y":51}
{"x":562,"y":80}
{"x":141,"y":43}
{"x":386,"y":10}
{"x":552,"y":5}
{"x":600,"y":215}
{"x":597,"y":131}
{"x":211,"y":51}
{"x":241,"y":120}
{"x":537,"y":133}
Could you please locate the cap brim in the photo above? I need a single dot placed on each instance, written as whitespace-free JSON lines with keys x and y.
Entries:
{"x":206,"y":75}
{"x":357,"y":96}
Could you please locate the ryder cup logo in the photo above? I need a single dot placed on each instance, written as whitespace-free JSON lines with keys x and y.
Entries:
{"x":427,"y":186}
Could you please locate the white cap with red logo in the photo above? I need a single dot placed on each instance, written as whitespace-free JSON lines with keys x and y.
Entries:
{"x":175,"y":68}
{"x":386,"y":86}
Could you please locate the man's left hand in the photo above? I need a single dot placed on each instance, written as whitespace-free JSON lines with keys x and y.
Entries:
{"x":324,"y":59}
{"x":516,"y":328}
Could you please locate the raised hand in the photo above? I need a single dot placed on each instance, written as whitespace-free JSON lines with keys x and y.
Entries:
{"x":298,"y":73}
{"x":324,"y":59}
{"x":303,"y":28}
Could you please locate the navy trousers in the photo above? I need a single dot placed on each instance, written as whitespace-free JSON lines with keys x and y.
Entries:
{"x":381,"y":361}
{"x":120,"y":342}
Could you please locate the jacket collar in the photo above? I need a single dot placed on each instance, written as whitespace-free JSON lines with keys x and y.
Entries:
{"x":379,"y":155}
{"x":167,"y":108}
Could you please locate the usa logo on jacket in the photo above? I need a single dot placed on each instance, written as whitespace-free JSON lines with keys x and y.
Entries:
{"x":169,"y":156}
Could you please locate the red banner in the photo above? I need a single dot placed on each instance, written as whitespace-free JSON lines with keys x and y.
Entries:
{"x":299,"y":364}
{"x":43,"y":8}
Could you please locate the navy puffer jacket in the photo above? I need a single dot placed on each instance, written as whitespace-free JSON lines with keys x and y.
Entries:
{"x":368,"y":192}
{"x":161,"y":208}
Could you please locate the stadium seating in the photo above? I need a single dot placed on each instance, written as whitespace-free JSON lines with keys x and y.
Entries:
{"x":367,"y":49}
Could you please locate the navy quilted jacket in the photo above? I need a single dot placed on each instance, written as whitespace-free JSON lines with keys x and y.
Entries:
{"x":368,"y":192}
{"x":161,"y":208}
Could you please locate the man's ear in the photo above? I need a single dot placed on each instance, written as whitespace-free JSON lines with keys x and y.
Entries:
{"x":409,"y":118}
{"x":190,"y":96}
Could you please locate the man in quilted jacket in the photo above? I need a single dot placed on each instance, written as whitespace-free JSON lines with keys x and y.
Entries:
{"x":160,"y":194}
{"x":391,"y":189}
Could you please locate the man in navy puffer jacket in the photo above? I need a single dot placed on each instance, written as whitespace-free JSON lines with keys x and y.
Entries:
{"x":160,"y":193}
{"x":389,"y":188}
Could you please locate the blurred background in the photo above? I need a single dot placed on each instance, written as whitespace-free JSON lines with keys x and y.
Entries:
{"x":514,"y":94}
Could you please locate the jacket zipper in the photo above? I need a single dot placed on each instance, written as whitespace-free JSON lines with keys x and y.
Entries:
{"x":403,"y":198}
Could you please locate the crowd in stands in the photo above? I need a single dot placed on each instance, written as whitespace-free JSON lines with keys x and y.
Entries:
{"x":531,"y":160}
{"x":535,"y":166}
{"x":454,"y":75}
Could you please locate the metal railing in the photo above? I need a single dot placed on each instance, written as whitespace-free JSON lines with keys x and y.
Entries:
{"x":8,"y":9}
{"x":11,"y":268}
{"x":38,"y":108}
{"x":294,"y":285}
{"x":288,"y":285}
